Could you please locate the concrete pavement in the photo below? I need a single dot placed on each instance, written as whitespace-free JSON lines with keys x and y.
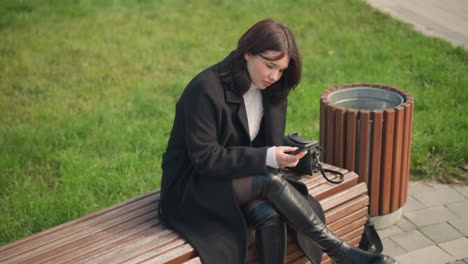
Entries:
{"x":447,"y":19}
{"x":433,"y":228}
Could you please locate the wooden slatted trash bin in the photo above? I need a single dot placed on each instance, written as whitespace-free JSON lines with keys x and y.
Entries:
{"x":366,"y":128}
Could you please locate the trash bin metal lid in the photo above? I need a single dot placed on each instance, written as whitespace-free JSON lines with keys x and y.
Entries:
{"x":366,"y":98}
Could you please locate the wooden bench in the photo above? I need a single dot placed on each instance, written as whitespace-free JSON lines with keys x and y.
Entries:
{"x":130,"y":232}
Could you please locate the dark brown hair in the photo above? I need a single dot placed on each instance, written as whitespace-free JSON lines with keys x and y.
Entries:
{"x":265,"y":35}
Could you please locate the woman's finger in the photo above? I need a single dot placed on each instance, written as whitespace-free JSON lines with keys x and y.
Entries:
{"x":293,"y":160}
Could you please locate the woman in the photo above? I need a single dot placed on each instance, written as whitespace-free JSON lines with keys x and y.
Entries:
{"x":226,"y":142}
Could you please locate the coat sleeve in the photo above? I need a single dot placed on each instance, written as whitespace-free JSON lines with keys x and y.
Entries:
{"x":203,"y":103}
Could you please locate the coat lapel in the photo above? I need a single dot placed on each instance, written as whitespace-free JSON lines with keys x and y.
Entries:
{"x":275,"y":120}
{"x":243,"y":117}
{"x":232,"y":97}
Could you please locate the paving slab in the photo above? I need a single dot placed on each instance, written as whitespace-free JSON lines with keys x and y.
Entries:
{"x":462,"y":189}
{"x":431,"y":215}
{"x":418,"y":187}
{"x":412,"y":240}
{"x":456,"y":248}
{"x":405,"y":224}
{"x":439,"y":197}
{"x":439,"y":186}
{"x":461,"y":224}
{"x":441,"y":232}
{"x":412,"y":205}
{"x":389,"y":231}
{"x":428,"y":255}
{"x":391,"y":248}
{"x":459,"y":208}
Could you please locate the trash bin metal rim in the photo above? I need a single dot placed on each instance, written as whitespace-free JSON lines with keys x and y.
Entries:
{"x":369,"y":98}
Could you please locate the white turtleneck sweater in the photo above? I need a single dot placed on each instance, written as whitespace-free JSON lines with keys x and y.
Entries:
{"x":254,"y":108}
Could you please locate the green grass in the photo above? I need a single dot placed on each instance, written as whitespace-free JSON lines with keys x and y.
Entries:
{"x":87,"y":91}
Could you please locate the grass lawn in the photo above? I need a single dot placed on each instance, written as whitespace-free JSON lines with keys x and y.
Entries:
{"x":87,"y":91}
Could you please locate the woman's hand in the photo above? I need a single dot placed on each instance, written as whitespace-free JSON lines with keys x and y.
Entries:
{"x":283,"y":159}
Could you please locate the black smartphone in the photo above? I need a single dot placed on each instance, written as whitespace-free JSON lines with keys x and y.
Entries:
{"x":307,"y":146}
{"x":297,"y":151}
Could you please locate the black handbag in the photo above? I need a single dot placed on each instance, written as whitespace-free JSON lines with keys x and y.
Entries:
{"x":311,"y":161}
{"x":370,"y":240}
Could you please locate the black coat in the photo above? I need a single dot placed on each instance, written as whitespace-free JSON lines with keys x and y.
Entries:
{"x":208,"y":147}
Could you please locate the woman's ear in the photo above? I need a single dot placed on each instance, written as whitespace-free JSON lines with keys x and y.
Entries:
{"x":247,"y":56}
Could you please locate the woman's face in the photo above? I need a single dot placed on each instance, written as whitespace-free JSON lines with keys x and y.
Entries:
{"x":264,"y":71}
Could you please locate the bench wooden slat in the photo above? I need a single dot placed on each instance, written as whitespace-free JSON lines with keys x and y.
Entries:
{"x":195,"y":260}
{"x":316,"y":179}
{"x":344,"y":196}
{"x":77,"y":241}
{"x":178,"y":255}
{"x":179,"y":246}
{"x":319,"y":188}
{"x":159,"y":242}
{"x":300,"y":260}
{"x":81,"y":224}
{"x":146,"y":236}
{"x":355,"y":225}
{"x":324,"y":190}
{"x":85,"y":229}
{"x":293,"y":253}
{"x":96,"y":246}
{"x":353,"y":205}
{"x":349,"y":218}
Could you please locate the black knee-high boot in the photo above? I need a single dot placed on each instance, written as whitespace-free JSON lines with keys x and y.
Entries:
{"x":296,"y":210}
{"x":270,"y":233}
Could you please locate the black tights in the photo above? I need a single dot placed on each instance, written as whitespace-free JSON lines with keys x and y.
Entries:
{"x":247,"y":200}
{"x":270,"y":229}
